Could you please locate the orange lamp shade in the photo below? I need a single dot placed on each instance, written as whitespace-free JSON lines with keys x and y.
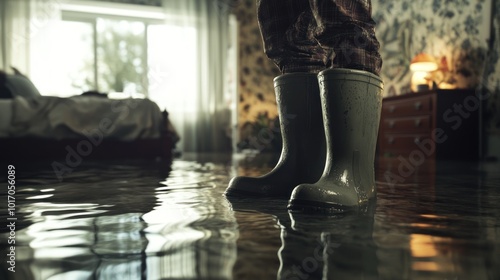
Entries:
{"x":423,"y":62}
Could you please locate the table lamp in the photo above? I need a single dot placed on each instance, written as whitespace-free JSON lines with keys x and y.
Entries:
{"x":421,"y":66}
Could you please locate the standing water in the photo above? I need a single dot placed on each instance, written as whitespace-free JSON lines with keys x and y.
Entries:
{"x":170,"y":220}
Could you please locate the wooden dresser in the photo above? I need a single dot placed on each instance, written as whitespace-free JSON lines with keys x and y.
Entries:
{"x":441,"y":124}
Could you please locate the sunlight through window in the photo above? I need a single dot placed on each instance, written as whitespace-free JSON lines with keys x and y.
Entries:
{"x":59,"y":54}
{"x":172,"y":67}
{"x":124,"y":57}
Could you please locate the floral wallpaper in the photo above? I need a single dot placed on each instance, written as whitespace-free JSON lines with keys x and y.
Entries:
{"x":257,"y":110}
{"x":455,"y":32}
{"x":463,"y":36}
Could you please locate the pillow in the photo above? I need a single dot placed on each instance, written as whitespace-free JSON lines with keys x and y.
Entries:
{"x":20,"y":85}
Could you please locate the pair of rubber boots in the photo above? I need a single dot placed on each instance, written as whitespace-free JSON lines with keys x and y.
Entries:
{"x":329,"y":125}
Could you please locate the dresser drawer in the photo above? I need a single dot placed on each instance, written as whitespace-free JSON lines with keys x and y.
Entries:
{"x":407,"y":124}
{"x":401,"y":144}
{"x":408,"y":107}
{"x":409,"y":120}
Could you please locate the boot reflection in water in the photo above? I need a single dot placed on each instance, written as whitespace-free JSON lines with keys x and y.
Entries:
{"x":328,"y":246}
{"x":329,"y":101}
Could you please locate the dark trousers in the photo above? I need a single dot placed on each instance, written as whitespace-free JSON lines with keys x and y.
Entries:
{"x":313,"y":35}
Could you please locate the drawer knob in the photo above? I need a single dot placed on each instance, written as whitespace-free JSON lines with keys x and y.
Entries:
{"x":417,"y":140}
{"x":391,"y":140}
{"x":418,"y":105}
{"x":391,"y":124}
{"x":417,"y":122}
{"x":392,"y":109}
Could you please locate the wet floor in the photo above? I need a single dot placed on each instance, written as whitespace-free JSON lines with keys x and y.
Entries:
{"x":160,"y":220}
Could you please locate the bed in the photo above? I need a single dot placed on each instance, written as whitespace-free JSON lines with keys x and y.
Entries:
{"x":36,"y":127}
{"x":85,"y":127}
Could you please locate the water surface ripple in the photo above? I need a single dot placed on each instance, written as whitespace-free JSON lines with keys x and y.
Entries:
{"x":161,"y":220}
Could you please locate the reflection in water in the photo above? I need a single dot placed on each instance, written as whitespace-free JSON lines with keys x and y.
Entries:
{"x":191,"y":231}
{"x":438,"y":224}
{"x":127,"y":222}
{"x":345,"y":242}
{"x":320,"y":247}
{"x":140,"y":220}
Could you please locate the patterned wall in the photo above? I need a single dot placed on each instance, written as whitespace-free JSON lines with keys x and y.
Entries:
{"x":257,"y":105}
{"x":463,"y":36}
{"x":455,"y":32}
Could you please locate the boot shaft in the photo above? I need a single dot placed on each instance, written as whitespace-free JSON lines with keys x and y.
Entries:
{"x":299,"y":107}
{"x":298,"y":101}
{"x":351,"y":102}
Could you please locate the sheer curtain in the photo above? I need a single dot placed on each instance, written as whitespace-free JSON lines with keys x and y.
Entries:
{"x":3,"y":35}
{"x":20,"y":21}
{"x":15,"y":34}
{"x":202,"y":117}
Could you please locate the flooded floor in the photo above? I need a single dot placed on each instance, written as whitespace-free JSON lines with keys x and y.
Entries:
{"x":161,"y":220}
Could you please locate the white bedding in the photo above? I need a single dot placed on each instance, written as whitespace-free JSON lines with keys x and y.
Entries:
{"x":81,"y":116}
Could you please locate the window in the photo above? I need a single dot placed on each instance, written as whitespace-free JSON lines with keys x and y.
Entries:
{"x":122,"y":49}
{"x":121,"y":53}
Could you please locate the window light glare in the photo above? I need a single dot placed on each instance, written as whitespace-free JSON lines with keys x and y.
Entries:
{"x":123,"y":10}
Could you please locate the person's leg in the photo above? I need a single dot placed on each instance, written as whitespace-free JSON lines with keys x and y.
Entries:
{"x":346,"y":27}
{"x":286,"y":27}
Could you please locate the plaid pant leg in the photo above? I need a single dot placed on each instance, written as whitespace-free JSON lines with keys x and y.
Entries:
{"x":287,"y":32}
{"x":346,"y":26}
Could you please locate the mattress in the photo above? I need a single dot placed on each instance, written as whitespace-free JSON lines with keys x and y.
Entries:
{"x":72,"y":118}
